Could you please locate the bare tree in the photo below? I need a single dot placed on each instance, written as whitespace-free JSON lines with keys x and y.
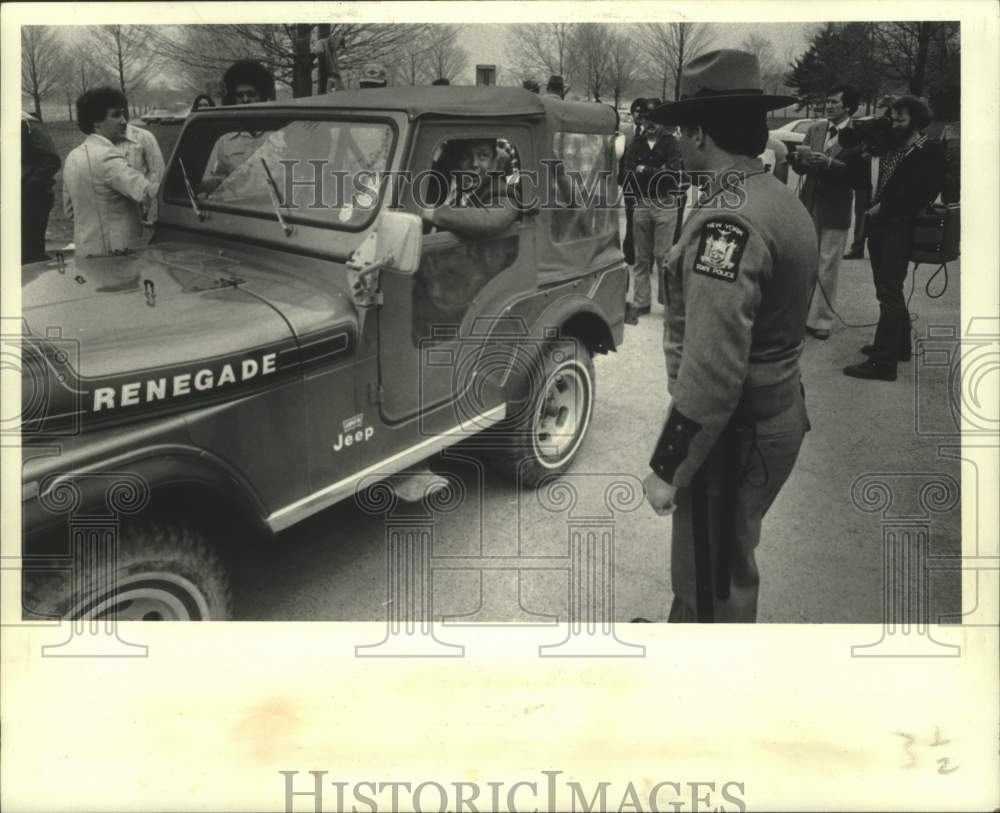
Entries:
{"x":128,"y":55}
{"x":410,"y":65}
{"x":590,"y":58}
{"x":445,"y":57}
{"x":908,"y":49}
{"x":212,"y":48}
{"x":79,"y":74}
{"x":671,"y":46}
{"x":772,"y":67}
{"x":541,"y":50}
{"x":41,"y":63}
{"x":623,"y":61}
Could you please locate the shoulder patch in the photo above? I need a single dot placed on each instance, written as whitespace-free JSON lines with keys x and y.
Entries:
{"x":721,"y":249}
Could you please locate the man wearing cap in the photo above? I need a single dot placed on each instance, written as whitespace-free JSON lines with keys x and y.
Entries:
{"x":738,"y":286}
{"x":652,"y":173}
{"x":373,"y":75}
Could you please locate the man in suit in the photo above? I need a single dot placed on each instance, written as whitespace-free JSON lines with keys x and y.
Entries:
{"x":906,"y":178}
{"x":827,"y":193}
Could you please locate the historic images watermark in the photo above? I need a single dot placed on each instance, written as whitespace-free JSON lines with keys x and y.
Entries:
{"x":313,"y":185}
{"x":551,"y":791}
{"x":962,"y":427}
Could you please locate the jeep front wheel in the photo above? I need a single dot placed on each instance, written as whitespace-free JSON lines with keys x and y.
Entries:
{"x":551,"y":420}
{"x":163,"y":571}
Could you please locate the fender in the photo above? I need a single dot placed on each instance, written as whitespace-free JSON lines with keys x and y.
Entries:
{"x":580,"y":317}
{"x":129,"y":483}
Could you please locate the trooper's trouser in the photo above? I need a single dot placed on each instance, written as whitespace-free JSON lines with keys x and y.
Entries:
{"x":717,"y":523}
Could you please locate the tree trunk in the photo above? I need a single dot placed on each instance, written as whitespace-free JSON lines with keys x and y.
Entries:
{"x":302,"y":71}
{"x":920,"y":65}
{"x":38,"y":104}
{"x":322,"y":69}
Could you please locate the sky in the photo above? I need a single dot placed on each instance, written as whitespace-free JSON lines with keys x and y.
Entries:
{"x":486,"y":44}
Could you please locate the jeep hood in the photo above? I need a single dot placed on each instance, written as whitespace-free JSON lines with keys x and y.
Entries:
{"x":169,"y":310}
{"x":171,"y":303}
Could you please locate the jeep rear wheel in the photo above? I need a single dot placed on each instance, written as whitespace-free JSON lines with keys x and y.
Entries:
{"x":164,"y":571}
{"x":556,"y":405}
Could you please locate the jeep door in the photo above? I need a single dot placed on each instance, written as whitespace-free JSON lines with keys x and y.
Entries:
{"x":432,"y":323}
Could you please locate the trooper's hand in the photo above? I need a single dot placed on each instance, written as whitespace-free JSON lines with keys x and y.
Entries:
{"x":659,"y":494}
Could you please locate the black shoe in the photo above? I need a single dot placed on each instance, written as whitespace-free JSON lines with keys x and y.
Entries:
{"x":871,"y":370}
{"x":854,"y":255}
{"x":632,"y":313}
{"x":868,"y":349}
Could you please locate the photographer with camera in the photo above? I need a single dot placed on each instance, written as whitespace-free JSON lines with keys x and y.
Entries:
{"x":907,"y":170}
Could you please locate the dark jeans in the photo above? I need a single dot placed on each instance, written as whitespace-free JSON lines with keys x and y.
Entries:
{"x":889,"y":245}
{"x":34,"y":220}
{"x":628,"y":245}
{"x":860,"y":218}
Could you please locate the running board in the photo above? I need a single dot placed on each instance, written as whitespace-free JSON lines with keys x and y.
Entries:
{"x":300,"y":509}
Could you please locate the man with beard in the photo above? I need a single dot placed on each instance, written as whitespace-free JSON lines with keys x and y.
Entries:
{"x":738,"y":283}
{"x":906,"y":179}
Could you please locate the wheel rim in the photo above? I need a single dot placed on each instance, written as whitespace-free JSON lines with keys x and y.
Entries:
{"x":562,"y":416}
{"x":148,"y":597}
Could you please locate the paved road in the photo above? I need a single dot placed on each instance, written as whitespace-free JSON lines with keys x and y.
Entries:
{"x":502,"y":556}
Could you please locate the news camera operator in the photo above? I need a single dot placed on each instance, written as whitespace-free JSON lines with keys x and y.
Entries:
{"x":906,"y":174}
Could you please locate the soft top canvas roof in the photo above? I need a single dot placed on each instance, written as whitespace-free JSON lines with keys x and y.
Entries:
{"x":435,"y":100}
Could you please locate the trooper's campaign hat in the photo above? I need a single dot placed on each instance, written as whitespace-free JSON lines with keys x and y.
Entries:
{"x":716,"y":81}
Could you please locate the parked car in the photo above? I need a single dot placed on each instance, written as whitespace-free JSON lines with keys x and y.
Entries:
{"x":264,"y":358}
{"x":794,"y":132}
{"x":176,"y":117}
{"x":154,"y":116}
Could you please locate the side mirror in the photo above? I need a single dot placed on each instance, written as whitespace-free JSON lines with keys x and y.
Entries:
{"x":394,"y":243}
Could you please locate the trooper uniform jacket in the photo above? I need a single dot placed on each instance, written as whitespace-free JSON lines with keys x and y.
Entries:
{"x":738,"y":286}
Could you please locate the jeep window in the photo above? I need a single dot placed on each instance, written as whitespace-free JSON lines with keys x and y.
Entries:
{"x":581,"y":180}
{"x":326,"y":172}
{"x":451,"y":158}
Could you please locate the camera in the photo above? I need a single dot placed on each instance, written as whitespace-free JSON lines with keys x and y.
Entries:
{"x":874,"y":133}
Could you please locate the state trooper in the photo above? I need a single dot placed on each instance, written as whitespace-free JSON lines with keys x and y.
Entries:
{"x":738,"y":286}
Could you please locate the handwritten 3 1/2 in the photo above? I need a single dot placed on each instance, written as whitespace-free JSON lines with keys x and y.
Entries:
{"x":914,"y":748}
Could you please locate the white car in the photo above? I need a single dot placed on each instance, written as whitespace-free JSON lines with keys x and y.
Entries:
{"x":154,"y":116}
{"x":794,"y":132}
{"x":176,"y":117}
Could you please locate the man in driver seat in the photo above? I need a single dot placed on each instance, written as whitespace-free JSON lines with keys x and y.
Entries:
{"x":478,"y":203}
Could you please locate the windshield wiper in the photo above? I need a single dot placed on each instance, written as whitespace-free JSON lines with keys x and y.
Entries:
{"x":190,"y":192}
{"x":272,"y":189}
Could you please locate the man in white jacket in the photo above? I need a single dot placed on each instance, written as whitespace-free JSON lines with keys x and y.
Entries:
{"x":101,"y":192}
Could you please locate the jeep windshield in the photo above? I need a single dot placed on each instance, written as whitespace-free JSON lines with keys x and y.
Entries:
{"x":325,"y":172}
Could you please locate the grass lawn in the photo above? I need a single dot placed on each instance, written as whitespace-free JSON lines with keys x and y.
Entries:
{"x":66,"y":135}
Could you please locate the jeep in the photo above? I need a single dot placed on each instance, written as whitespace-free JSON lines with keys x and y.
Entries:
{"x":293,"y":331}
